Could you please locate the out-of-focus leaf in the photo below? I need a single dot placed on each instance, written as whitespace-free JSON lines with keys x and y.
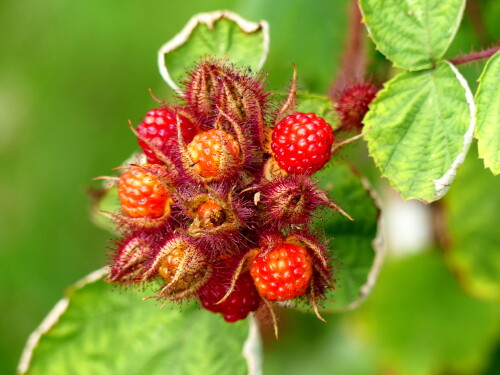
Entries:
{"x":420,"y":128}
{"x":106,"y":200}
{"x":357,"y":254}
{"x":310,"y":346}
{"x":419,"y":322}
{"x":488,"y":114}
{"x":412,"y":34}
{"x":301,"y":30}
{"x":320,"y":105}
{"x":472,"y":223}
{"x":97,"y":329}
{"x":220,"y":34}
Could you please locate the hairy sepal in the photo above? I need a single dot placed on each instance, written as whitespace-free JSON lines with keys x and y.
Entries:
{"x":322,"y":278}
{"x":291,"y":201}
{"x":126,"y":224}
{"x":128,"y":262}
{"x":186,"y":277}
{"x":229,"y":273}
{"x":288,"y":107}
{"x":352,"y":102}
{"x":222,"y":235}
{"x":216,"y":84}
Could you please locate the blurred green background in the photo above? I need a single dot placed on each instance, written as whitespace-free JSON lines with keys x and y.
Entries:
{"x":72,"y":74}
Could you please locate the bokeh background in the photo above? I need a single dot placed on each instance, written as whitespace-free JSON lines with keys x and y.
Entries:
{"x":71,"y":75}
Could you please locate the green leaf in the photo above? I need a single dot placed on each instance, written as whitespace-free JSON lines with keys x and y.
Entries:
{"x":309,"y":346}
{"x":106,"y":200}
{"x":412,"y":34}
{"x":355,"y":247}
{"x":488,"y":114}
{"x":472,"y":223}
{"x":420,"y":128}
{"x":320,"y":105}
{"x":220,"y":34}
{"x":97,"y":329}
{"x":297,"y":38}
{"x":314,"y":103}
{"x":418,"y":321}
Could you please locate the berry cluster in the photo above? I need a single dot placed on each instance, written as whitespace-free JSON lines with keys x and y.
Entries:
{"x":221,"y":211}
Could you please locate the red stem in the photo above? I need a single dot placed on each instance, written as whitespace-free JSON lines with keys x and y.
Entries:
{"x":475,"y":56}
{"x":353,"y":61}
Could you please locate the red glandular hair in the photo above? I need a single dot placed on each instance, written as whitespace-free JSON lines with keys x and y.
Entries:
{"x":226,"y":204}
{"x":352,"y":104}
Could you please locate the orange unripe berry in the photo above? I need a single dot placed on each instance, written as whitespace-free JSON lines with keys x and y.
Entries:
{"x":142,"y":194}
{"x":213,"y":152}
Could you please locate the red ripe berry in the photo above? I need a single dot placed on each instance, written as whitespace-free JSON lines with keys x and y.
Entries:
{"x":142,"y":194}
{"x":243,"y":300}
{"x":213,"y":153}
{"x":159,"y":127}
{"x":352,"y":104}
{"x":302,"y":143}
{"x":282,"y":274}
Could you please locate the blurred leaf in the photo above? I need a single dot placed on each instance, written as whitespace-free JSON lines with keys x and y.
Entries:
{"x":491,"y":13}
{"x":488,"y":114}
{"x":494,"y":366}
{"x":220,"y":34}
{"x":100,"y":330}
{"x":419,"y":322}
{"x":420,"y":129}
{"x":310,"y":34}
{"x":314,"y":103}
{"x":472,"y":222}
{"x":320,"y":105}
{"x":309,"y":346}
{"x":106,"y":200}
{"x":356,"y":261}
{"x":412,"y":34}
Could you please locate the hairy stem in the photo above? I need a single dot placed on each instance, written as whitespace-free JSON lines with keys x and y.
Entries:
{"x":353,"y":60}
{"x":475,"y":56}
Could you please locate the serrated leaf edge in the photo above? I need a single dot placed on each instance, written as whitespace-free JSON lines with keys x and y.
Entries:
{"x":443,"y":184}
{"x":52,"y":318}
{"x":379,"y":246}
{"x":432,"y":62}
{"x":252,"y":347}
{"x":209,"y":19}
{"x":367,"y":127}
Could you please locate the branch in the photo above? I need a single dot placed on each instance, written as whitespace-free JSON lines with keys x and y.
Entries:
{"x":475,"y":56}
{"x":353,"y":60}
